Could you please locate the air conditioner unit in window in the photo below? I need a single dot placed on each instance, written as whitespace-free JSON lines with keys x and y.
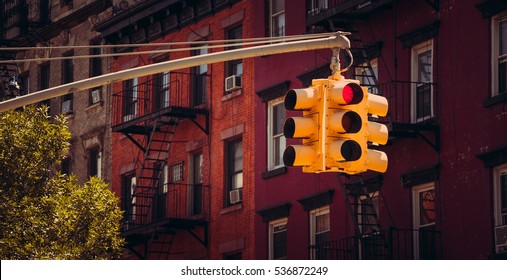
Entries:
{"x":232,"y":83}
{"x":96,"y":95}
{"x":236,"y":196}
{"x":501,"y":239}
{"x":67,"y":106}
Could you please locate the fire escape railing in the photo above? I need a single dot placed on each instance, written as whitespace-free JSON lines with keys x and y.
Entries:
{"x":170,"y":201}
{"x":147,"y":95}
{"x":410,"y":102}
{"x":402,"y":244}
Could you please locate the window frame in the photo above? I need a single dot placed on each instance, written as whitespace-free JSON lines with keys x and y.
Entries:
{"x":500,"y":214}
{"x":230,"y":168}
{"x":271,"y":149}
{"x":495,"y":54}
{"x":231,"y":66}
{"x":314,"y":214}
{"x":362,"y":219}
{"x":416,"y":213}
{"x":95,"y":162}
{"x":416,"y":83}
{"x":195,"y":189}
{"x":199,"y":78}
{"x":130,"y":98}
{"x":272,"y":16}
{"x":372,"y":88}
{"x":271,"y":227}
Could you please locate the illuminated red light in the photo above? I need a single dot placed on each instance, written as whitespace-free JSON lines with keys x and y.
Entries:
{"x":348,"y":94}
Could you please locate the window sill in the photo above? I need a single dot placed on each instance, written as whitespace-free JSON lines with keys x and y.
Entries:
{"x":274,"y":172}
{"x":231,"y":95}
{"x":490,"y":101}
{"x":232,"y":208}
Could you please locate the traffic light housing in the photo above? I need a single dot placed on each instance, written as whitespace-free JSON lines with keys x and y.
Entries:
{"x":335,"y":129}
{"x":309,"y":154}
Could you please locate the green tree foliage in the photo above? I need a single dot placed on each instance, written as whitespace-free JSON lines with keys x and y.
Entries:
{"x":46,"y":215}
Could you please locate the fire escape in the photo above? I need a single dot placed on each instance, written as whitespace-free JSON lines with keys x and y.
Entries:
{"x":363,"y":193}
{"x":20,"y":24}
{"x":147,"y":111}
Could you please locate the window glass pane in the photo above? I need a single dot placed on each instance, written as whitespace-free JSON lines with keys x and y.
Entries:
{"x":280,"y":241}
{"x":503,"y":193}
{"x":322,"y":223}
{"x":277,"y":151}
{"x":424,"y":68}
{"x":238,"y":156}
{"x":198,"y":169}
{"x":277,"y":6}
{"x":278,"y":118}
{"x":502,"y":76}
{"x":279,"y":25}
{"x":427,"y":207}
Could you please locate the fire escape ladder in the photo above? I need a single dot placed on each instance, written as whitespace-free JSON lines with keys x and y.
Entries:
{"x":160,"y":244}
{"x":362,"y":200}
{"x":154,"y":157}
{"x":362,"y":59}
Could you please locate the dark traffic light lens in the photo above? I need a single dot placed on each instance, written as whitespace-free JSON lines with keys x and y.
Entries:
{"x":351,"y":150}
{"x":289,"y":128}
{"x":289,"y":156}
{"x":290,"y":100}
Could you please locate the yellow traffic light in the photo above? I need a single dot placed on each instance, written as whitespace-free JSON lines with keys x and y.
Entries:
{"x":334,"y":128}
{"x":307,"y":128}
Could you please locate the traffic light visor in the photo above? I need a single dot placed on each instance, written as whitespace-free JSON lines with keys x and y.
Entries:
{"x":298,"y":155}
{"x":300,"y":99}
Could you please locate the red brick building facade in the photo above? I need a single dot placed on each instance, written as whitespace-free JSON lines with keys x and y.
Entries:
{"x":186,"y":139}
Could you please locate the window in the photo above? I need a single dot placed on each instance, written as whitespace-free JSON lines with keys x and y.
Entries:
{"x":94,"y":162}
{"x":45,"y":74}
{"x":159,"y":209}
{"x":199,"y":75}
{"x":161,"y":90}
{"x":500,"y":193}
{"x":234,"y":67}
{"x":67,"y":68}
{"x":177,"y":172}
{"x":67,"y":77}
{"x":368,"y":213}
{"x":95,"y":70}
{"x":234,"y":175}
{"x":276,"y":140}
{"x":499,"y":54}
{"x":422,"y":76}
{"x":130,"y":99}
{"x":424,"y":217}
{"x":196,"y":187}
{"x":277,"y":18}
{"x":278,"y":239}
{"x":128,"y":201}
{"x":368,"y":78}
{"x":319,"y":231}
{"x":67,"y":103}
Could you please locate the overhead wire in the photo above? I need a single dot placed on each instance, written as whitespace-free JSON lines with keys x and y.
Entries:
{"x":206,"y":45}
